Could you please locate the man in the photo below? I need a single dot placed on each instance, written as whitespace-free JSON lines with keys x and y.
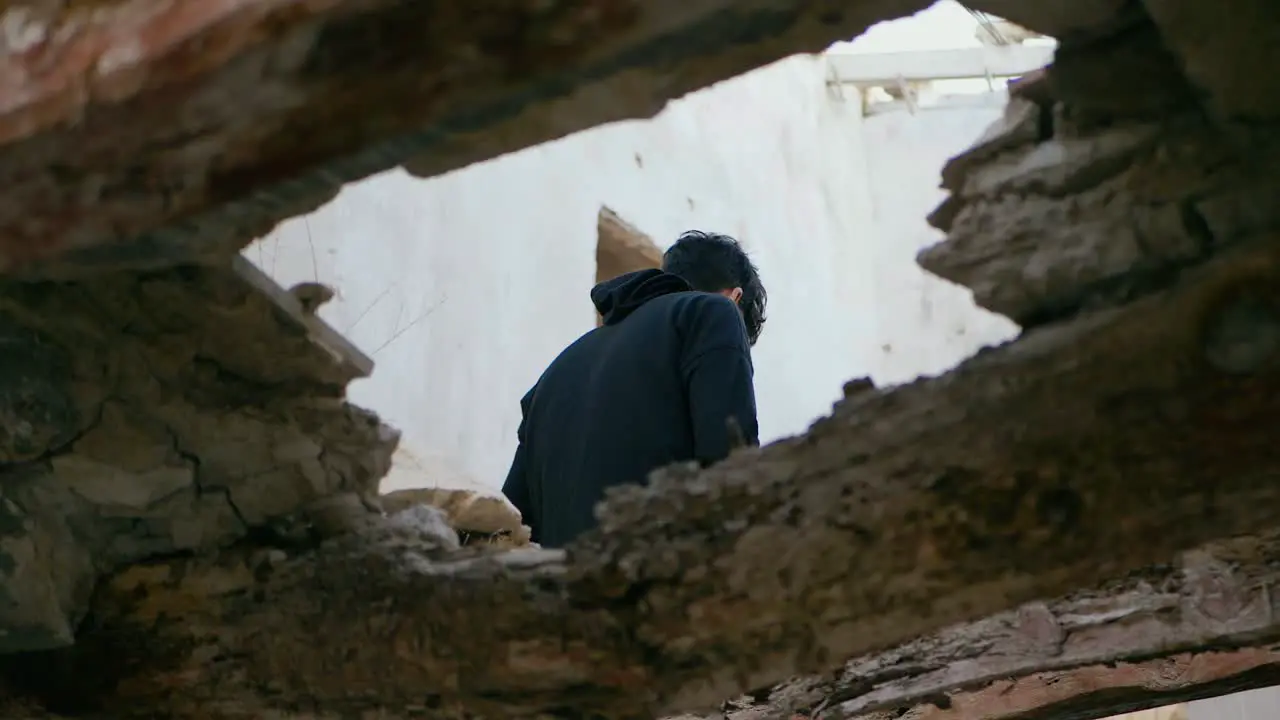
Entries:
{"x":658,"y":382}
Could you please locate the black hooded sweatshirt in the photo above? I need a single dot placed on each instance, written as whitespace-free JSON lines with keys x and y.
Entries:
{"x":655,"y":384}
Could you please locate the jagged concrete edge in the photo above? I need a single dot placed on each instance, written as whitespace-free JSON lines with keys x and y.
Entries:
{"x":747,"y":39}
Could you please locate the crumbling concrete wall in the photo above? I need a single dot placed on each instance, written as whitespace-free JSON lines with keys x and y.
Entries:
{"x":831,"y":206}
{"x":184,"y":410}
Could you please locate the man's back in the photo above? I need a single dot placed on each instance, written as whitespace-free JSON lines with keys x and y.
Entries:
{"x":655,"y":384}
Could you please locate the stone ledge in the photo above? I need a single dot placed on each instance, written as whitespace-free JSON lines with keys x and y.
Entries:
{"x":182,"y":408}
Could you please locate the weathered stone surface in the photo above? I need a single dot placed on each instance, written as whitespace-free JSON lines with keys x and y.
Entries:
{"x":1111,"y":61}
{"x":1223,"y":51}
{"x":121,"y":148}
{"x":46,"y":575}
{"x":211,"y":407}
{"x":111,"y":488}
{"x":1082,"y":656}
{"x":1096,"y":215}
{"x":37,"y":413}
{"x":1058,"y":167}
{"x":1103,"y":438}
{"x":1060,"y":18}
{"x":1124,"y":72}
{"x":1107,"y":690}
{"x":149,"y":132}
{"x":1020,"y":126}
{"x":1077,"y":453}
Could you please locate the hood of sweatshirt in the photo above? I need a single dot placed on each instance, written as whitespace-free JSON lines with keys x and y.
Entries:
{"x":617,"y":298}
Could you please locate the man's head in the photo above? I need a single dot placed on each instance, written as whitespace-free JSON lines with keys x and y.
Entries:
{"x":718,"y":264}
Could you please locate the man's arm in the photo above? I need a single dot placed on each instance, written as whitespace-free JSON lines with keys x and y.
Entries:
{"x":718,"y":378}
{"x":516,"y":487}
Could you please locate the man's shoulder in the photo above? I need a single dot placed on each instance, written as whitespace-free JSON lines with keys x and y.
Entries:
{"x":685,"y":305}
{"x":702,"y":303}
{"x":714,"y":306}
{"x":710,"y":318}
{"x":689,"y":316}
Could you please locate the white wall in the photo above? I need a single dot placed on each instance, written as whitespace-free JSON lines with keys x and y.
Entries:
{"x":1262,"y":704}
{"x":924,"y":325}
{"x":463,"y":287}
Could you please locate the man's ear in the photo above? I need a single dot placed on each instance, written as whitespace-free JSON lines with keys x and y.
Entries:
{"x":735,"y":294}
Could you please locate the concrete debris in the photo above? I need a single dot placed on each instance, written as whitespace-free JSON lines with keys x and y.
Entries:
{"x":466,"y":510}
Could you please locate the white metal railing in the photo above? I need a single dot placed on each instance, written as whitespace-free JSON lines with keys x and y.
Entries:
{"x":991,"y":61}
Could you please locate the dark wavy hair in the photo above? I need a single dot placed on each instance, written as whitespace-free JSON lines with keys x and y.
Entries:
{"x":711,"y":263}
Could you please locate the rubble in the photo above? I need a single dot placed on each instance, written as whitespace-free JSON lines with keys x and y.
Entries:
{"x":468,"y":511}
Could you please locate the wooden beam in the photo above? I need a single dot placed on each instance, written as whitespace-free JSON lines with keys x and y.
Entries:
{"x":1204,"y":625}
{"x":1105,"y":691}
